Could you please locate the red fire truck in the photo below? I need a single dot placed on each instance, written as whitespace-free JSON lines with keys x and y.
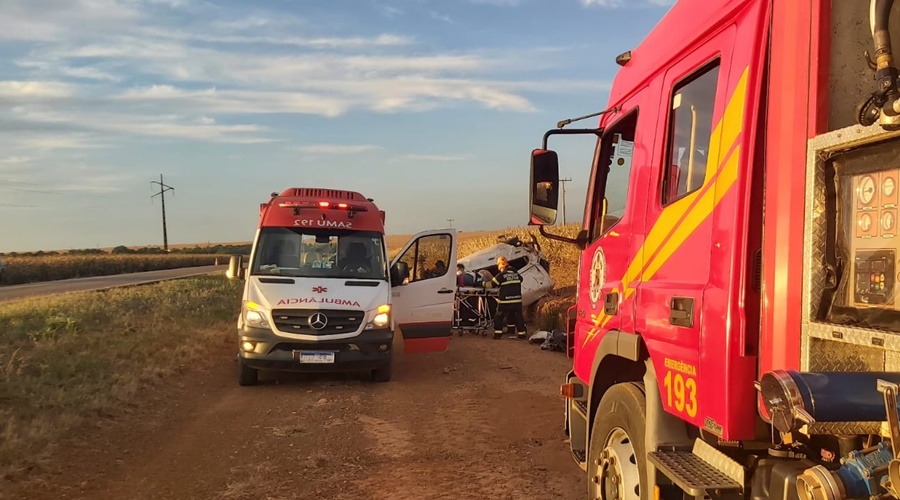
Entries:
{"x":737,"y":318}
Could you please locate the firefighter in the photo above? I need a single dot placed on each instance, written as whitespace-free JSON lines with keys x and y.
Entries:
{"x":509,"y":300}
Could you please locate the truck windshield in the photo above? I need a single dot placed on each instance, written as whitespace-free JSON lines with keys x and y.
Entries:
{"x":320,"y":253}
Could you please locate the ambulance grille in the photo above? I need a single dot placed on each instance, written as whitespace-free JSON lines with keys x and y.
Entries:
{"x":299,"y":321}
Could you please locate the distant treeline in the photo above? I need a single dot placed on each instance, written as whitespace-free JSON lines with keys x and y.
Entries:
{"x":122,"y":250}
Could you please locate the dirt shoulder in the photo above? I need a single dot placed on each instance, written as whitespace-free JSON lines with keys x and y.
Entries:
{"x":482,"y":420}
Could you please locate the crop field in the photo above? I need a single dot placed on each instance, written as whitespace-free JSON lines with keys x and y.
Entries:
{"x":67,"y":359}
{"x":20,"y":269}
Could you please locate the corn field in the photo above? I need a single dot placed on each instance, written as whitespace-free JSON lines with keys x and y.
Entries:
{"x":19,"y":270}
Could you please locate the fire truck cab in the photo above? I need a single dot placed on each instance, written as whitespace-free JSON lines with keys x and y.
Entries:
{"x":320,"y":293}
{"x":737,"y":315}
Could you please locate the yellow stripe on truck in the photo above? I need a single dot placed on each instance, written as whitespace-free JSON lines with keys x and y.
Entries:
{"x":679,"y":220}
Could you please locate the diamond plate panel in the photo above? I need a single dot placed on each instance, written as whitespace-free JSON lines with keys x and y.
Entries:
{"x":815,"y":227}
{"x":892,"y":361}
{"x":845,"y":428}
{"x":830,"y":356}
{"x":821,"y":349}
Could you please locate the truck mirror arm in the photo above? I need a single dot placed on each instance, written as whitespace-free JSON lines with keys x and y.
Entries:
{"x":569,"y":131}
{"x":580,"y":241}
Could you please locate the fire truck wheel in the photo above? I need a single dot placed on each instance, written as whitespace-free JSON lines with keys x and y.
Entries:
{"x":617,"y":459}
{"x":247,"y":375}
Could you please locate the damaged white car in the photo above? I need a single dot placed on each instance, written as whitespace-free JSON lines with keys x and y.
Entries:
{"x":525,"y":257}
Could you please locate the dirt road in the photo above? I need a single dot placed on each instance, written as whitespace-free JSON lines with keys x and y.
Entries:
{"x":481,"y":421}
{"x":28,"y":290}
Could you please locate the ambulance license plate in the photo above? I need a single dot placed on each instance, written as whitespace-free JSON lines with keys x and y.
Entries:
{"x":314,"y":356}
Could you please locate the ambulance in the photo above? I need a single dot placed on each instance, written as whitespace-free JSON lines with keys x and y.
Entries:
{"x":322,"y":295}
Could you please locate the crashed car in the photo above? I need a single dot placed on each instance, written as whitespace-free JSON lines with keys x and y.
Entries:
{"x":525,"y":257}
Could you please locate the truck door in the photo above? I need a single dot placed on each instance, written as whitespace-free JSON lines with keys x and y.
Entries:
{"x":422,"y":303}
{"x":614,"y":215}
{"x":674,"y":307}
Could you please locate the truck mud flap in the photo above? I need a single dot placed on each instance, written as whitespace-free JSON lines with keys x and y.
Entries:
{"x":426,"y":337}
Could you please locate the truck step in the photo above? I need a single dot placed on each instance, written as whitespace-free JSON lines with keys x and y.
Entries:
{"x":702,"y":470}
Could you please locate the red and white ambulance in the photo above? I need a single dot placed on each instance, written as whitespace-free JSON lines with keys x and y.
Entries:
{"x":321,"y":293}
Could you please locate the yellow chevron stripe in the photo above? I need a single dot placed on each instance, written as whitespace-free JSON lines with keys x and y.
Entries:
{"x":667,"y":225}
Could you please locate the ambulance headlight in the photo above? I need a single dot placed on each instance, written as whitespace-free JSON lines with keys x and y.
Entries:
{"x":255,"y":316}
{"x":382,"y":317}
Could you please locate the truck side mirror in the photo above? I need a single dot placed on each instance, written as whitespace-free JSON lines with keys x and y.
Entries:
{"x":544,"y":195}
{"x":399,"y":273}
{"x":235,"y":267}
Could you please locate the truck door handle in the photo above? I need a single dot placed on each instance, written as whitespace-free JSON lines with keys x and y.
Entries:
{"x":445,"y":290}
{"x":611,"y":304}
{"x":681,"y":311}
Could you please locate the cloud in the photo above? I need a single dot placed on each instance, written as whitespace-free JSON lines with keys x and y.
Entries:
{"x":336,"y":149}
{"x":147,"y":125}
{"x":88,"y":73}
{"x":53,"y":20}
{"x":436,"y":158}
{"x":15,"y":160}
{"x":26,"y":90}
{"x":388,"y":11}
{"x":501,"y":3}
{"x":204,"y":77}
{"x":614,"y":4}
{"x":63,"y":177}
{"x":441,"y":17}
{"x":602,"y":3}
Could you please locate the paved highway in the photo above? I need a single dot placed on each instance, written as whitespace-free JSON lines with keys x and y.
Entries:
{"x":15,"y":292}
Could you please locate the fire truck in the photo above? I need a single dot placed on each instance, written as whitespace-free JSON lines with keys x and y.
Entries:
{"x":320,"y":293}
{"x":736,"y":332}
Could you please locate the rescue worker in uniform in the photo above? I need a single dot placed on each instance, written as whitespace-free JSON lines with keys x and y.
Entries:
{"x":509,"y":300}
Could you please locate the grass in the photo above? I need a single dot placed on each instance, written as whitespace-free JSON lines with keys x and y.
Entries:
{"x":19,"y":270}
{"x":65,"y":360}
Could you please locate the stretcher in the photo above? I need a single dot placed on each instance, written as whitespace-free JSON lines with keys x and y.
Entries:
{"x":474,"y":309}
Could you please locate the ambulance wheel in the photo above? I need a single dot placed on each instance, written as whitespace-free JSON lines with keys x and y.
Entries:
{"x":383,"y":374}
{"x":617,"y":460}
{"x":247,"y":375}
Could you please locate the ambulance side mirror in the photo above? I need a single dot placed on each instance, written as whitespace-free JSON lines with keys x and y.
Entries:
{"x":399,"y":273}
{"x":544,"y":196}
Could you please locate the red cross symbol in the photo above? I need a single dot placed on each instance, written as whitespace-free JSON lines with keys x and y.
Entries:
{"x":319,"y":289}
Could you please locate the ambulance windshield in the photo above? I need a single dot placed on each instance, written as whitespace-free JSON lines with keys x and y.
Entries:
{"x":320,"y":253}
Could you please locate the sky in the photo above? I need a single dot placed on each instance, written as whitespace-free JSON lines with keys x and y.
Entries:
{"x":430,"y":107}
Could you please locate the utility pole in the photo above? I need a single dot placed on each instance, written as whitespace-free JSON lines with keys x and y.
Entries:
{"x":162,"y":194}
{"x":563,"y":182}
{"x":451,"y":222}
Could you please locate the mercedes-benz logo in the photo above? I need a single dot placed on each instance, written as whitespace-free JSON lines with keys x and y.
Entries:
{"x":318,"y":321}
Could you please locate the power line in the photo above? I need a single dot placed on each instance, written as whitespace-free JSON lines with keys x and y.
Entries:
{"x":451,"y":222}
{"x":40,"y":191}
{"x":162,"y":194}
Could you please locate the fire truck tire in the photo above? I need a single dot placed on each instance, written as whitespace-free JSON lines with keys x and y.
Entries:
{"x":247,"y":375}
{"x":383,"y":374}
{"x":617,"y":460}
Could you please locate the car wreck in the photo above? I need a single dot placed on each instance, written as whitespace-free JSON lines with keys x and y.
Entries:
{"x":523,"y":256}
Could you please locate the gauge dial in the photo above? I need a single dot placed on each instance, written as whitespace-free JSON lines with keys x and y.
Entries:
{"x":888,"y":185}
{"x":887,"y":221}
{"x":866,"y":189}
{"x":865,"y":222}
